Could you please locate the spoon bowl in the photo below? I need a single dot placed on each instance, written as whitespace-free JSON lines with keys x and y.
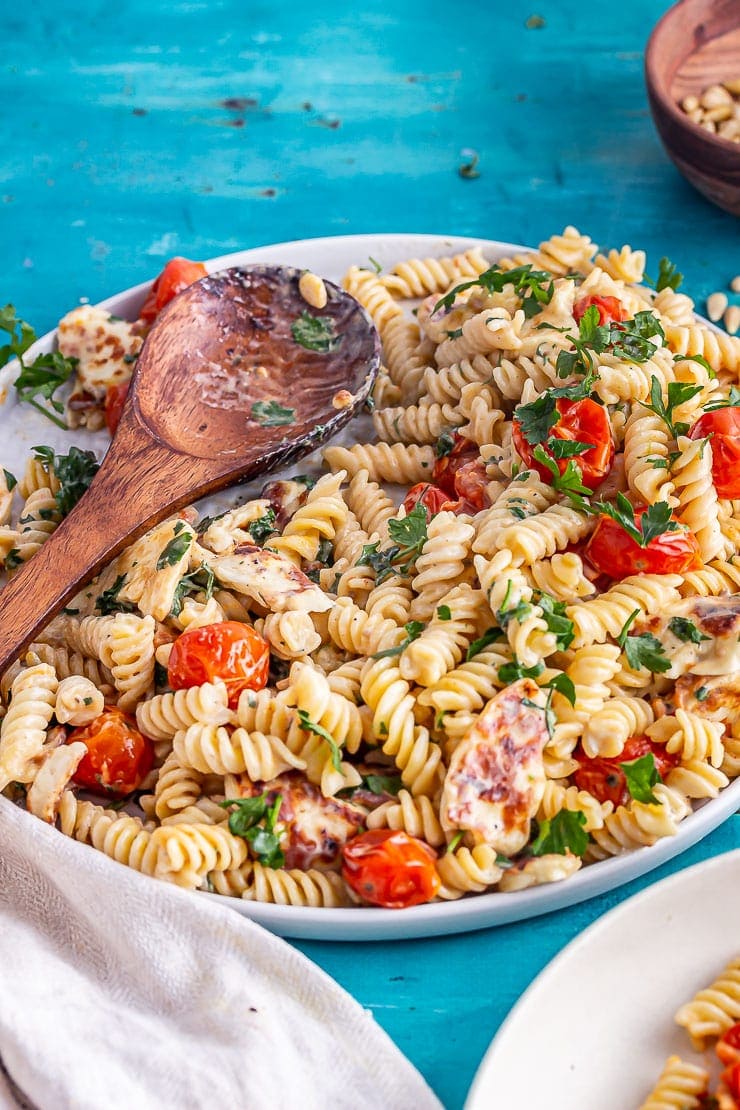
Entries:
{"x":224,"y":389}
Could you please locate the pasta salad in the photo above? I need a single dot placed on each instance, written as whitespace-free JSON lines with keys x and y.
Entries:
{"x":494,"y":643}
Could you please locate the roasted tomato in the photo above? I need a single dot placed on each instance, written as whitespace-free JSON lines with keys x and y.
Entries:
{"x":731,"y":1080}
{"x":176,"y":276}
{"x":445,"y":469}
{"x":115,"y":398}
{"x":471,"y":483}
{"x":431,"y":497}
{"x":118,"y":758}
{"x":723,"y":425}
{"x":611,"y":309}
{"x":229,"y":650}
{"x":579,"y":421}
{"x":614,"y":552}
{"x":390,"y":868}
{"x":605,"y":779}
{"x":728,"y":1046}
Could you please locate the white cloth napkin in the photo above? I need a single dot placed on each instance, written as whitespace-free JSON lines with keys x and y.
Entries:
{"x":120,"y":991}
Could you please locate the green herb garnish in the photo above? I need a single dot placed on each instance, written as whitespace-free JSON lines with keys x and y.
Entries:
{"x":561,"y":834}
{"x":254,"y":819}
{"x":41,"y":378}
{"x":641,"y":775}
{"x":315,"y":333}
{"x":271,"y":414}
{"x":686,"y":630}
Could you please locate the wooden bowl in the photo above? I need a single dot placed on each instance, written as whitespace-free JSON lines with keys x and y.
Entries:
{"x":696,"y":44}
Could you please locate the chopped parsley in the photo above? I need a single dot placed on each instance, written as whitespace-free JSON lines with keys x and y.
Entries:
{"x":41,"y":378}
{"x":686,"y":630}
{"x":74,"y":471}
{"x":677,"y":394}
{"x":255,"y":819}
{"x":413,"y":629}
{"x":315,"y":333}
{"x":10,"y":480}
{"x":108,"y":602}
{"x":444,"y":613}
{"x":176,"y":549}
{"x":535,"y":287}
{"x":668,"y":276}
{"x":641,"y":775}
{"x":200,"y":580}
{"x":263,"y":527}
{"x":490,"y":636}
{"x":271,"y":414}
{"x":308,"y":725}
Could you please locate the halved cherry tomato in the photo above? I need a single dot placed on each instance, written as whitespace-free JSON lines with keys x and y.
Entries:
{"x":613,"y":551}
{"x":605,"y":779}
{"x":115,"y":398}
{"x":579,"y":421}
{"x":119,"y":757}
{"x":611,"y":309}
{"x":728,"y":1046}
{"x":724,"y":427}
{"x":229,"y":650}
{"x":176,"y":276}
{"x":389,"y":868}
{"x":431,"y":497}
{"x":445,"y":469}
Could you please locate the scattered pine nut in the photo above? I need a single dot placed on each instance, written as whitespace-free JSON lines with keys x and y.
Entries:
{"x":312,"y":289}
{"x":735,"y":284}
{"x":716,"y":305}
{"x":732,"y":319}
{"x":342,"y":399}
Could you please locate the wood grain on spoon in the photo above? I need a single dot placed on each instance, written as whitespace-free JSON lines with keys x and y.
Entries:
{"x":188,"y":429}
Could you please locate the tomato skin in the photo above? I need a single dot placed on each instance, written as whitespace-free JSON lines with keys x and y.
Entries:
{"x":228,"y":650}
{"x":731,"y":1080}
{"x":389,"y":868}
{"x":432,"y":498}
{"x":584,"y":421}
{"x":724,"y":427}
{"x":605,"y":779}
{"x":728,"y":1046}
{"x":115,"y":399}
{"x":613,"y":551}
{"x":445,"y":469}
{"x":176,"y":276}
{"x":611,"y":309}
{"x":471,"y":484}
{"x":119,"y":757}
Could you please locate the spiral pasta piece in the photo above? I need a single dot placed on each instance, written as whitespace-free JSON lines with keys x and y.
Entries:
{"x":119,"y":836}
{"x":214,"y":749}
{"x":420,"y":276}
{"x":290,"y":887}
{"x":177,"y":788}
{"x":722,"y":351}
{"x":467,"y":871}
{"x":440,"y":646}
{"x":608,"y":730}
{"x":164,"y":715}
{"x":712,"y":1011}
{"x":186,"y":854}
{"x":319,"y":519}
{"x":605,"y":616}
{"x":384,"y":462}
{"x":417,"y":424}
{"x":697,"y":497}
{"x":23,"y":729}
{"x":680,"y":1087}
{"x":639,"y":824}
{"x":416,"y":816}
{"x":78,"y":701}
{"x":691,"y":736}
{"x":370,"y":505}
{"x":646,"y":448}
{"x":557,"y":797}
{"x":441,"y":563}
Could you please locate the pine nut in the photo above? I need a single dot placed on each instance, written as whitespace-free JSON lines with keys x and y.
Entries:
{"x":732,"y":319}
{"x":312,"y":289}
{"x":716,"y":305}
{"x":735,"y":284}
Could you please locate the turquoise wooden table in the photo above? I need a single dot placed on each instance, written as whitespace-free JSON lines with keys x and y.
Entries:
{"x":134,"y":131}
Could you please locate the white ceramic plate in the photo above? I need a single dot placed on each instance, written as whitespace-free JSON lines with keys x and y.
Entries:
{"x":596,"y":1027}
{"x":21,"y":428}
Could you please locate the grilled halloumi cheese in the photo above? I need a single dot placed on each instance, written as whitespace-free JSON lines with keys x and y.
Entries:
{"x":269,"y":579}
{"x":717,"y":619}
{"x":496,"y":777}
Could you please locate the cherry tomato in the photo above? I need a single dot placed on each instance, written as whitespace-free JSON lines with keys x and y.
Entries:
{"x":431,"y":497}
{"x":445,"y":469}
{"x":724,"y":427}
{"x":390,"y":868}
{"x":176,"y":276}
{"x":579,"y":421}
{"x":605,"y":779}
{"x":471,"y":482}
{"x":229,"y":650}
{"x":613,"y":551}
{"x":728,"y":1046}
{"x":115,"y":398}
{"x":731,"y":1080}
{"x":118,"y":756}
{"x":611,"y":310}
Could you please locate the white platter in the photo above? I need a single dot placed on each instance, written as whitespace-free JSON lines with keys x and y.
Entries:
{"x":596,"y":1027}
{"x":22,"y":427}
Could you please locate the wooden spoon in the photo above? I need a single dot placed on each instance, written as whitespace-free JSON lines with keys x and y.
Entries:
{"x":188,"y":427}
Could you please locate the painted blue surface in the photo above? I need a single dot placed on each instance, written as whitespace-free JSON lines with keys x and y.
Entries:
{"x":135,"y":130}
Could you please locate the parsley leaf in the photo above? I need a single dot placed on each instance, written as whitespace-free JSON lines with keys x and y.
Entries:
{"x":511,"y":672}
{"x":414,"y":630}
{"x":534,"y":286}
{"x":733,"y":401}
{"x":383,"y":784}
{"x":75,"y":472}
{"x":108,"y":602}
{"x":641,"y":775}
{"x":409,"y":534}
{"x":380,"y":561}
{"x":201,"y":579}
{"x":42,"y":377}
{"x":271,"y":414}
{"x":646,"y":650}
{"x":668,"y":276}
{"x":315,"y":333}
{"x":677,"y":394}
{"x":557,"y":621}
{"x":306,"y":723}
{"x":263,"y":527}
{"x":490,"y":636}
{"x":10,"y":480}
{"x":254,"y":819}
{"x":444,"y":445}
{"x":571,"y":479}
{"x":711,"y":372}
{"x":686,"y":630}
{"x":176,"y":549}
{"x":444,"y":613}
{"x":536,"y":418}
{"x":655,"y":520}
{"x":563,"y":833}
{"x":564,"y":685}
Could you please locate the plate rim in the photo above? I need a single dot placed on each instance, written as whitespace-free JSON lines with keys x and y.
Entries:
{"x":474,"y":1099}
{"x":484,"y":910}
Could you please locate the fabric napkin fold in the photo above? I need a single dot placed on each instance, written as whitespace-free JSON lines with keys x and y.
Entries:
{"x":120,"y":991}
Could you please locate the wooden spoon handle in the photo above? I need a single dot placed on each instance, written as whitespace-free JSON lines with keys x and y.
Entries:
{"x":125,"y":498}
